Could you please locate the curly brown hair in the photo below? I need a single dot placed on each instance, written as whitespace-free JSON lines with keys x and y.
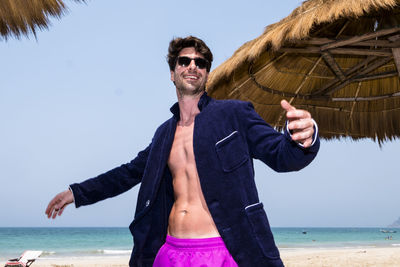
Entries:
{"x":177,"y":44}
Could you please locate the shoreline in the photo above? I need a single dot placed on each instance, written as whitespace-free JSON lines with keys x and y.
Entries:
{"x":297,"y":257}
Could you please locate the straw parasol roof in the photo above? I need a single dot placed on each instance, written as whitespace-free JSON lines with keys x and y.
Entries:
{"x":21,"y":17}
{"x":338,"y":59}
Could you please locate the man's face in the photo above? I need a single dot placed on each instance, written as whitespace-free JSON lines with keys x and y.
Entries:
{"x":189,"y":79}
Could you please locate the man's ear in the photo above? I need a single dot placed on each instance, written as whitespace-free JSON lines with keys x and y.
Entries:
{"x":172,"y":76}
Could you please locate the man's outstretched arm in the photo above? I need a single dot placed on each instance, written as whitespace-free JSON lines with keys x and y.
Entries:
{"x":109,"y":184}
{"x":290,"y":151}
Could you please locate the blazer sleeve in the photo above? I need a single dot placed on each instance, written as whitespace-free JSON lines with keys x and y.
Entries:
{"x":275,"y":149}
{"x":111,"y":183}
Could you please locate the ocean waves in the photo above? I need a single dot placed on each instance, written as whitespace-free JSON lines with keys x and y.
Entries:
{"x":65,"y":242}
{"x":109,"y":242}
{"x":87,"y":252}
{"x":115,"y":252}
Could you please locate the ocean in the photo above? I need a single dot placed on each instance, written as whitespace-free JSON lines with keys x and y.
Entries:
{"x":112,"y":241}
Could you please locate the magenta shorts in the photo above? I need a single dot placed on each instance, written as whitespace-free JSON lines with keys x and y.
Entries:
{"x":203,"y":252}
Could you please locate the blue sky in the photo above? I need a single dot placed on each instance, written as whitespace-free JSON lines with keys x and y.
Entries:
{"x":88,"y":94}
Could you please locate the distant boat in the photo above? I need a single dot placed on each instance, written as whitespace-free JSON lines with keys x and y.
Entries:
{"x":388,"y":231}
{"x":304,"y":232}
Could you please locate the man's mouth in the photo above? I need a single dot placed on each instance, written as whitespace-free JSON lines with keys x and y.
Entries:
{"x":191,"y":77}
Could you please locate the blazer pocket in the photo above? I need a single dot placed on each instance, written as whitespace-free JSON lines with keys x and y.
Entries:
{"x":231,"y":151}
{"x":261,"y":230}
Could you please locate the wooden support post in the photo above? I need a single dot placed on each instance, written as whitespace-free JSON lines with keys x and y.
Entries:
{"x":375,"y":76}
{"x":396,"y":57}
{"x":349,"y":74}
{"x":338,"y":51}
{"x":348,"y":80}
{"x":360,"y":38}
{"x":369,"y":43}
{"x":330,"y":61}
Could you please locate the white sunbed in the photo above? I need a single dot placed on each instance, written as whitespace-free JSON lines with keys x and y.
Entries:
{"x":25,"y":260}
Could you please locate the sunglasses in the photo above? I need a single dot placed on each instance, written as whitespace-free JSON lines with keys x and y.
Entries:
{"x":200,"y":63}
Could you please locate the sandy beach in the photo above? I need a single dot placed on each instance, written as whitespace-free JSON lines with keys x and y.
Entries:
{"x":352,"y":257}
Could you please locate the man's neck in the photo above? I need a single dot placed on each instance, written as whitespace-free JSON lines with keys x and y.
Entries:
{"x":188,"y":107}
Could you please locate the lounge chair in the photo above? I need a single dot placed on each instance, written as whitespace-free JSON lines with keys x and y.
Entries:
{"x":25,"y":260}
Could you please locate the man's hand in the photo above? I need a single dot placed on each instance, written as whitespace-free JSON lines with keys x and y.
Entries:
{"x":58,"y":204}
{"x":300,"y":123}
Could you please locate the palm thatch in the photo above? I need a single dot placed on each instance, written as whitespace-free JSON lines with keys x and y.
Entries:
{"x":339,"y":59}
{"x":21,"y":17}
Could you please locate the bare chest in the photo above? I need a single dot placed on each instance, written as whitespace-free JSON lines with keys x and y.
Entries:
{"x":182,"y":148}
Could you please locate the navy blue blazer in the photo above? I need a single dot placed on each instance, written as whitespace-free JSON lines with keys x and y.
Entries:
{"x":228,"y":135}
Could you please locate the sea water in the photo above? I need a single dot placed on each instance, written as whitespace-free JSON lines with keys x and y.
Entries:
{"x":84,"y":242}
{"x":65,"y":242}
{"x":291,"y":238}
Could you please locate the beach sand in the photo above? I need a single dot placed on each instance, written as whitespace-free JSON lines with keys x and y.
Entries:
{"x":352,"y":257}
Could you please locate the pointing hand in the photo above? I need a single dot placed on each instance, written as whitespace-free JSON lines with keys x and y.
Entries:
{"x":300,"y":124}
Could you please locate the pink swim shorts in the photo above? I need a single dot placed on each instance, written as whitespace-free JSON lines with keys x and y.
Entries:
{"x":203,"y":252}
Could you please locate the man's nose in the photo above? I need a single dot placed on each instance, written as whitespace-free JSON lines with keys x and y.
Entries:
{"x":192,"y":65}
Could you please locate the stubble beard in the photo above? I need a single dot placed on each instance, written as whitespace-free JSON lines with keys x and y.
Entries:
{"x":190,"y":90}
{"x":182,"y":91}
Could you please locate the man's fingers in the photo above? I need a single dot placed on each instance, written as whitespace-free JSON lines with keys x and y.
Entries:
{"x":58,"y":204}
{"x":286,"y":106}
{"x":55,"y":213}
{"x":298,"y":114}
{"x":50,"y":206}
{"x":292,"y":113}
{"x":302,"y":136}
{"x":57,"y":210}
{"x":299,"y":125}
{"x":61,"y":210}
{"x":52,"y":213}
{"x":53,"y":203}
{"x":307,"y":143}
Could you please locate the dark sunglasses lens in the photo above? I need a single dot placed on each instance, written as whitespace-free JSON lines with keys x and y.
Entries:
{"x":200,"y":63}
{"x":184,"y":61}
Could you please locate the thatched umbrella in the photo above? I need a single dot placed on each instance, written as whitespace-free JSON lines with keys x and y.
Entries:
{"x":21,"y":17}
{"x":339,"y":59}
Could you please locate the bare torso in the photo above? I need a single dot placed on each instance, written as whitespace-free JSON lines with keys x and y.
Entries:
{"x":189,"y":217}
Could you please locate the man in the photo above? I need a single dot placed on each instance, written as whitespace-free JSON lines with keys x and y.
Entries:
{"x":198,"y":204}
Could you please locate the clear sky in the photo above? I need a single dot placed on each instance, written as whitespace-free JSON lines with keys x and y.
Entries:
{"x":88,"y":94}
